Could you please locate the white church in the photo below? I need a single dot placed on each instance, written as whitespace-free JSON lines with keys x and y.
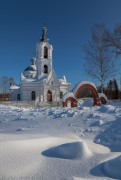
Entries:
{"x":39,"y":82}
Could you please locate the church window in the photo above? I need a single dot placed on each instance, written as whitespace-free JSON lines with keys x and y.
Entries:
{"x":33,"y":95}
{"x":61,"y":95}
{"x":45,"y":69}
{"x":45,"y":52}
{"x":41,"y":98}
{"x":49,"y":96}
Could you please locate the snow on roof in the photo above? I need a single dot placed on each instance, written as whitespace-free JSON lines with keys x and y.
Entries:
{"x":83,"y":83}
{"x":13,"y":87}
{"x":103,"y":95}
{"x":28,"y":80}
{"x":70,"y":94}
{"x":41,"y":78}
{"x":62,"y":81}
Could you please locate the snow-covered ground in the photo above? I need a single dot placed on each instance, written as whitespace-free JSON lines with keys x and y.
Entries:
{"x":60,"y":143}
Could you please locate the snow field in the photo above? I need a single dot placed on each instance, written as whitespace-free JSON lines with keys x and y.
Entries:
{"x":60,"y":143}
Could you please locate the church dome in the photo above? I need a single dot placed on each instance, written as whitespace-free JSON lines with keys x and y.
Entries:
{"x":30,"y":71}
{"x":31,"y":68}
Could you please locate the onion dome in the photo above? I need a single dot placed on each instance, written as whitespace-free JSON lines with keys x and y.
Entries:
{"x":30,"y":68}
{"x":30,"y":71}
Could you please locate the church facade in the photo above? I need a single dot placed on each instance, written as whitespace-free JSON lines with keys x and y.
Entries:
{"x":39,"y":82}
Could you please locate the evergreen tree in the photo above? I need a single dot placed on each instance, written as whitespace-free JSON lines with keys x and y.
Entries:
{"x":115,"y":89}
{"x":110,"y":89}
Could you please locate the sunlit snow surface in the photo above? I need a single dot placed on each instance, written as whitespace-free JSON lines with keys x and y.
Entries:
{"x":60,"y":143}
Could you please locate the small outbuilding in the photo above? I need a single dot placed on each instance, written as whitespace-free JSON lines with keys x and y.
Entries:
{"x":69,"y":100}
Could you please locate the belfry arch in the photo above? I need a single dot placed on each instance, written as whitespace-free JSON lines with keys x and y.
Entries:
{"x":45,"y":52}
{"x":90,"y":86}
{"x":45,"y":69}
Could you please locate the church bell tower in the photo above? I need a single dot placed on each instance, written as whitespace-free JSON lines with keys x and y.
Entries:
{"x":43,"y":55}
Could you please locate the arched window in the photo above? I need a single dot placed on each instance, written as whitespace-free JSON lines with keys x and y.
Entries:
{"x":45,"y":52}
{"x":49,"y":96}
{"x":45,"y":69}
{"x":41,"y":98}
{"x":33,"y":95}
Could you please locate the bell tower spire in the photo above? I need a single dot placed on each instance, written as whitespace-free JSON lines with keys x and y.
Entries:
{"x":44,"y":37}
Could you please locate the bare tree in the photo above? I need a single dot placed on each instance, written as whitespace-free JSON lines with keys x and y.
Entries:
{"x":11,"y":81}
{"x":4,"y":84}
{"x":99,"y":64}
{"x":113,"y":40}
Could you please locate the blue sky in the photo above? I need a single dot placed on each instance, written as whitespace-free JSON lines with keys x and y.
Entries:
{"x":68,"y":25}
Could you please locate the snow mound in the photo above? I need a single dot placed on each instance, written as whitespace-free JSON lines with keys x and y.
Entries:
{"x":112,"y":168}
{"x":72,"y":150}
{"x":107,"y":108}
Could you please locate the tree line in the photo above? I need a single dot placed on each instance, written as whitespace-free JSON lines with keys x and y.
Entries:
{"x":5,"y":83}
{"x":112,"y":90}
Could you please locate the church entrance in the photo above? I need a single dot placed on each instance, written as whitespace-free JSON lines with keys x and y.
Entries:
{"x":49,"y":96}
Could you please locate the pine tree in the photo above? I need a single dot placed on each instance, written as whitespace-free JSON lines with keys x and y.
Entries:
{"x":115,"y":89}
{"x":110,"y":89}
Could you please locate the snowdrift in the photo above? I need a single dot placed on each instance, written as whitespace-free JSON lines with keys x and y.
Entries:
{"x":72,"y":150}
{"x":112,"y":168}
